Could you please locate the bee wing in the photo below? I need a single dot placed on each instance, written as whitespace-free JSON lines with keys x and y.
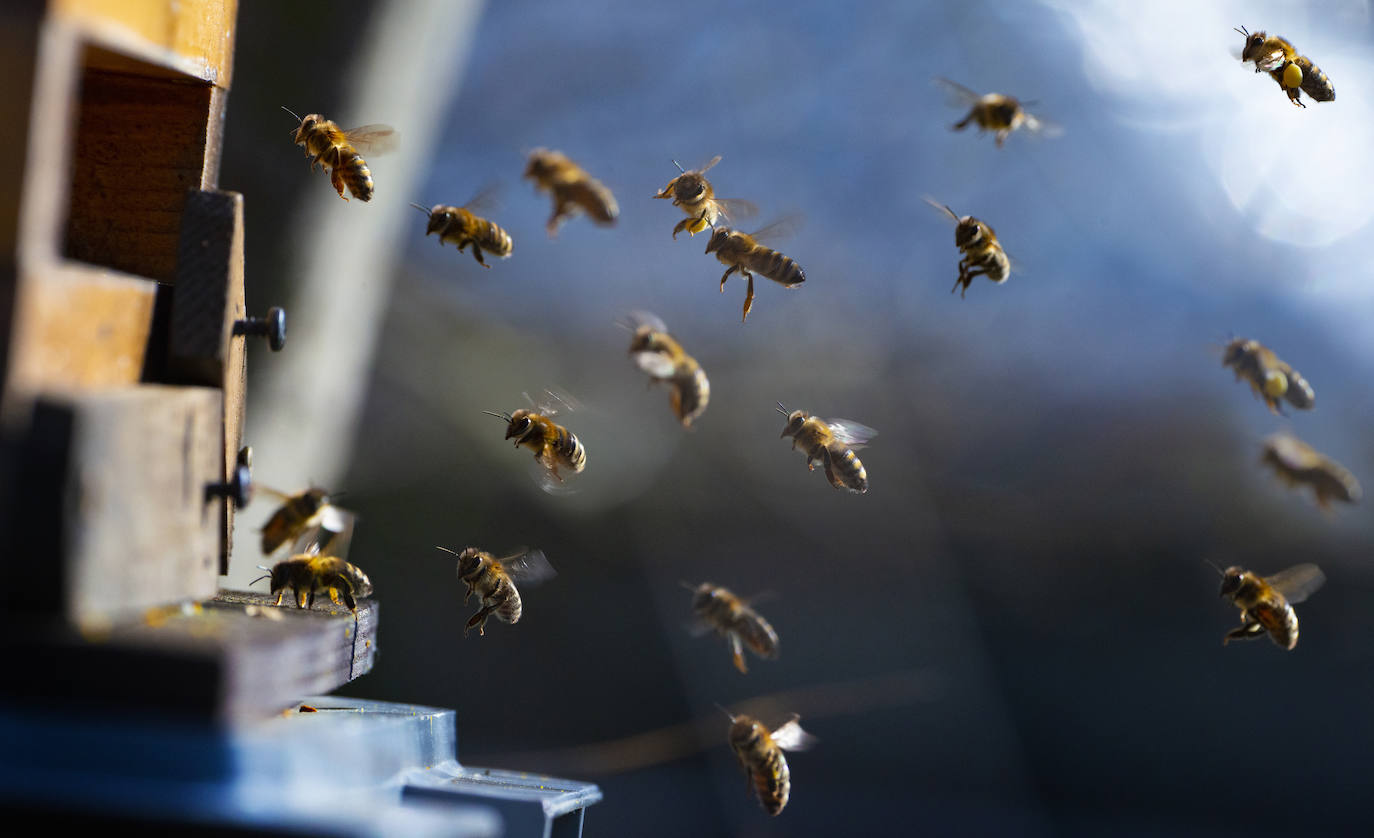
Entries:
{"x":329,"y":533}
{"x":851,"y":433}
{"x":276,"y":493}
{"x":485,"y":199}
{"x":780,"y":229}
{"x":1291,"y":453}
{"x":736,"y":208}
{"x":553,"y":401}
{"x":959,"y":95}
{"x":791,"y":737}
{"x":528,"y":567}
{"x":709,"y":164}
{"x":1297,"y":583}
{"x":374,"y":139}
{"x":1041,"y":127}
{"x":636,"y":320}
{"x":656,"y":364}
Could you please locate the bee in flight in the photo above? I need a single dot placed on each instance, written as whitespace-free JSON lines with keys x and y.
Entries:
{"x":460,"y":226}
{"x":982,"y":253}
{"x":996,"y":112}
{"x":308,"y":521}
{"x":1269,"y":377}
{"x":694,"y":194}
{"x":760,"y":755}
{"x":733,"y":619}
{"x":1297,"y":463}
{"x":663,"y":358}
{"x":493,"y":580}
{"x":572,"y":189}
{"x":1293,"y":73}
{"x":554,"y":446}
{"x":742,"y":252}
{"x":832,"y":444}
{"x":1266,"y":603}
{"x":339,"y":150}
{"x":307,"y":574}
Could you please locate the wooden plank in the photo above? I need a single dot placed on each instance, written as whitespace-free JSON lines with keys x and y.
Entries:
{"x":118,"y":480}
{"x":220,"y":661}
{"x":197,"y":36}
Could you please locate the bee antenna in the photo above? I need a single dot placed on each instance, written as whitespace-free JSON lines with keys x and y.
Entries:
{"x":293,"y":113}
{"x":424,"y":210}
{"x":260,"y":578}
{"x":445,"y":549}
{"x":679,"y":167}
{"x":505,"y":417}
{"x":1243,"y":31}
{"x":723,"y":710}
{"x":688,"y":585}
{"x":784,"y":411}
{"x":1219,"y":571}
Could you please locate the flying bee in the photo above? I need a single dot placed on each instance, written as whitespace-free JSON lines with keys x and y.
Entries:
{"x":1266,"y":603}
{"x":983,"y":254}
{"x":1293,"y":73}
{"x":733,"y":619}
{"x":461,"y":227}
{"x":493,"y":580}
{"x":996,"y":112}
{"x":554,"y":446}
{"x":832,"y":444}
{"x":307,"y":574}
{"x":572,"y":189}
{"x":742,"y":252}
{"x":694,"y":194}
{"x":1297,"y":463}
{"x":339,"y":150}
{"x":663,"y":358}
{"x":760,"y":755}
{"x":308,"y":521}
{"x":1269,"y":377}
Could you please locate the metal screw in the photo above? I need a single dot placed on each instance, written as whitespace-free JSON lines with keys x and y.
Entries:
{"x":273,"y":327}
{"x":239,"y":489}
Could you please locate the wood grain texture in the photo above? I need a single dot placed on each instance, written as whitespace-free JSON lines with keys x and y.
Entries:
{"x":198,"y":35}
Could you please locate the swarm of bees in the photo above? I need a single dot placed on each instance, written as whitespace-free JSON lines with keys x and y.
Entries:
{"x":760,"y":755}
{"x":732,"y":618}
{"x":1294,"y":73}
{"x":1266,"y":603}
{"x":663,"y":358}
{"x":1269,"y":377}
{"x":493,"y":581}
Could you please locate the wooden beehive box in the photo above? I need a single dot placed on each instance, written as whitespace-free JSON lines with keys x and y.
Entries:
{"x":122,"y":379}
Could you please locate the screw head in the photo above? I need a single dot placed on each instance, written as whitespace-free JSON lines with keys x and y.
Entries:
{"x":276,"y":328}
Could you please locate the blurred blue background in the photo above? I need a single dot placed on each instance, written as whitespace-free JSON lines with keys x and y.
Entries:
{"x":1014,"y":630}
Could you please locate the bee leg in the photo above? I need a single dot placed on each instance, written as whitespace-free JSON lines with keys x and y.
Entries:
{"x":479,"y":620}
{"x":726,"y":276}
{"x":280,"y":594}
{"x":301,"y":597}
{"x":963,"y":123}
{"x":348,"y":599}
{"x":699,"y":224}
{"x":477,"y":253}
{"x":830,"y":473}
{"x":554,"y":221}
{"x":737,"y":651}
{"x":1001,"y":137}
{"x":1246,"y":631}
{"x":336,"y":178}
{"x":681,"y":225}
{"x":748,"y":297}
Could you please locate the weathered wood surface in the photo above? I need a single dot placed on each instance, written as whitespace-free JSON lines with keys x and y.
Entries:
{"x":113,"y":517}
{"x":231,"y":659}
{"x":195,"y":38}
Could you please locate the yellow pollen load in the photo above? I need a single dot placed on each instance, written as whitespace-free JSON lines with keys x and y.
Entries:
{"x":1275,"y":384}
{"x":1292,"y":76}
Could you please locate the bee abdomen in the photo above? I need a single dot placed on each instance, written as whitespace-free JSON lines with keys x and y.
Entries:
{"x":570,"y":449}
{"x":775,"y":266}
{"x":691,"y":393}
{"x":848,"y":470}
{"x":357,"y":176}
{"x":512,"y":608}
{"x":1314,"y":81}
{"x":494,"y":240}
{"x":773,"y":782}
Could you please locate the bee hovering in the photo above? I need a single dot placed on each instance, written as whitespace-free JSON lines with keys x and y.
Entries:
{"x":982,"y":253}
{"x":308,"y":521}
{"x":493,"y":580}
{"x":1293,"y":73}
{"x":573,"y":190}
{"x":694,"y":194}
{"x":340,"y":151}
{"x":832,"y":444}
{"x":310,"y":573}
{"x":997,"y":113}
{"x":554,"y":446}
{"x":460,"y":226}
{"x":1269,"y":377}
{"x":1266,"y":603}
{"x":743,"y":253}
{"x":760,"y":755}
{"x":733,"y":619}
{"x":663,"y":358}
{"x":1297,"y":463}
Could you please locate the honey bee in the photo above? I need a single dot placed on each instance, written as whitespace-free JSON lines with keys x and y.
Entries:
{"x":339,"y":150}
{"x":694,"y":194}
{"x":554,"y":446}
{"x":1296,"y":463}
{"x":760,"y":754}
{"x":304,"y":514}
{"x":572,"y":189}
{"x":735,"y":620}
{"x":663,"y":358}
{"x":1266,"y":603}
{"x":832,"y":444}
{"x":493,"y":580}
{"x":307,"y":574}
{"x":459,"y":226}
{"x":983,"y":254}
{"x":996,"y":112}
{"x":742,"y":252}
{"x":1269,"y":377}
{"x":1293,"y":73}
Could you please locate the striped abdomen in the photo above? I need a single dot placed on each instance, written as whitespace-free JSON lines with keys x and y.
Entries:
{"x":843,"y":468}
{"x":352,"y":170}
{"x":774,"y":265}
{"x":510,"y":609}
{"x":1280,"y":622}
{"x":771,"y":778}
{"x":690,"y":394}
{"x":568,"y":449}
{"x":991,"y":261}
{"x":492,"y":238}
{"x":756,"y":632}
{"x":1314,"y":81}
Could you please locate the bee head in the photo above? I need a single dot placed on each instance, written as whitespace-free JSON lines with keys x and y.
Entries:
{"x":1253,"y":42}
{"x":718,"y":239}
{"x":1235,"y":351}
{"x":702,"y":595}
{"x":1231,"y":579}
{"x":439,"y":219}
{"x":745,"y":732}
{"x":470,"y":562}
{"x":968,"y":233}
{"x":795,"y":420}
{"x":541,"y":163}
{"x":519,"y":423}
{"x":689,"y":188}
